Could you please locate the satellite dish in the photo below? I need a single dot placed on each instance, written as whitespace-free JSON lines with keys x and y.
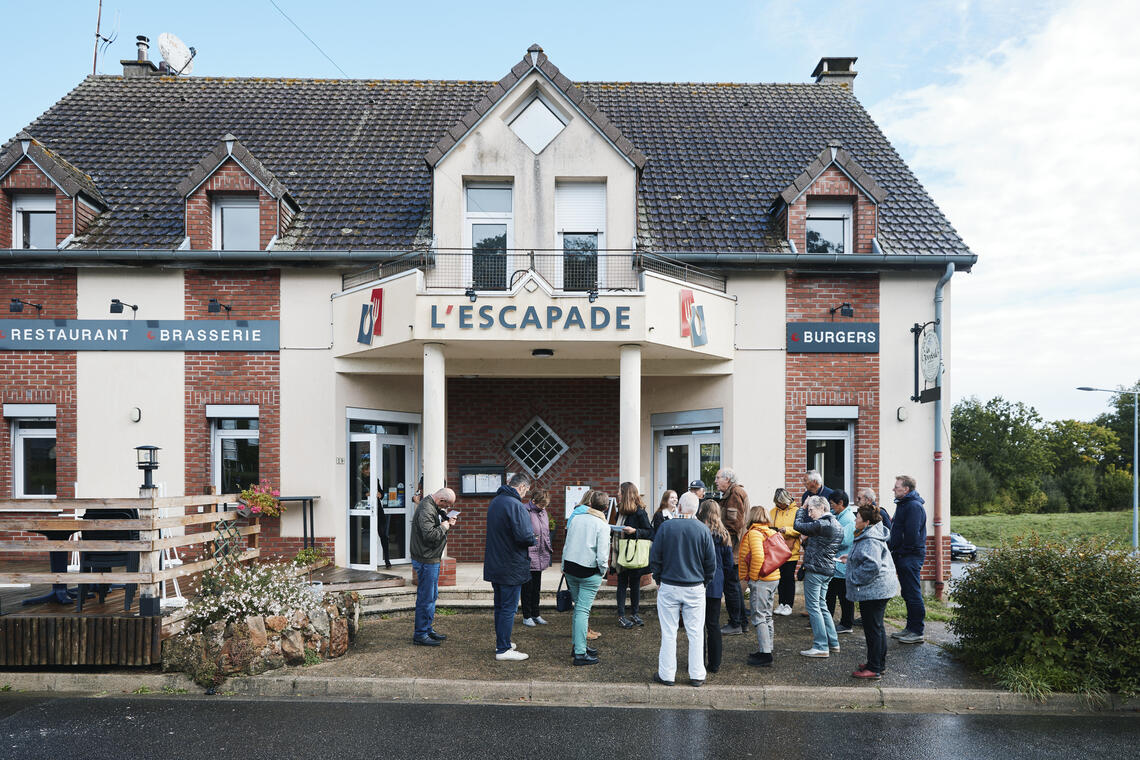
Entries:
{"x":178,"y":57}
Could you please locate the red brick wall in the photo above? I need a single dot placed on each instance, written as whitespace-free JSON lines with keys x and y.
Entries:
{"x":832,"y":379}
{"x":84,"y":215}
{"x":40,"y":377}
{"x":28,"y":177}
{"x":232,"y":179}
{"x":483,"y":416}
{"x":833,"y":185}
{"x":928,"y":566}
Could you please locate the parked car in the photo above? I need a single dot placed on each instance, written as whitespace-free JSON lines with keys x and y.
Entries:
{"x":960,"y":548}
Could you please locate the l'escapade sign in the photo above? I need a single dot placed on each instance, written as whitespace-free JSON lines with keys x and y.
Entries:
{"x":138,"y":335}
{"x":833,"y":337}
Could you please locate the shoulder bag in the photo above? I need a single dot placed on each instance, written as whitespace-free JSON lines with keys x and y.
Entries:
{"x":563,"y":602}
{"x":776,"y":553}
{"x":633,"y":553}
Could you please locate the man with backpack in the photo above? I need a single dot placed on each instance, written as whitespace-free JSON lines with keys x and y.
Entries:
{"x":762,"y":552}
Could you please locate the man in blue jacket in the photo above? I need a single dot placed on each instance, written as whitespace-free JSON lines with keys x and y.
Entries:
{"x":813,"y":486}
{"x":908,"y":549}
{"x":506,"y":563}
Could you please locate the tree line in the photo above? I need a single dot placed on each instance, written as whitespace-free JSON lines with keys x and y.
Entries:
{"x":1006,"y":458}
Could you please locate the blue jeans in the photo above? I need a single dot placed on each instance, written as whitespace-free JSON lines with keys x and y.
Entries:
{"x":427,"y":591}
{"x":909,"y":568}
{"x":506,"y":604}
{"x":582,"y":591}
{"x":822,"y":624}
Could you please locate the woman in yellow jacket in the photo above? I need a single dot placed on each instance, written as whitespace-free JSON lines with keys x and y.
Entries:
{"x":783,"y":517}
{"x":762,"y":588}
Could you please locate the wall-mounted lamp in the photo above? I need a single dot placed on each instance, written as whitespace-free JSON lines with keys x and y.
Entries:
{"x":17,"y":305}
{"x":214,"y":306}
{"x":471,"y":295}
{"x":542,"y":353}
{"x":136,"y":414}
{"x":117,"y":307}
{"x":593,"y":295}
{"x":845,"y":310}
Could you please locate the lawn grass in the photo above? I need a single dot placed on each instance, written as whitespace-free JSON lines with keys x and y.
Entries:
{"x":993,"y":530}
{"x":935,"y":610}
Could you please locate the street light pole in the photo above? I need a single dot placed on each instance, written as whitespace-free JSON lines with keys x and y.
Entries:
{"x":1135,"y":459}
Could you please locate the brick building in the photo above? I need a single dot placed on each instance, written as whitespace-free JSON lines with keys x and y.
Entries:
{"x":339,"y":285}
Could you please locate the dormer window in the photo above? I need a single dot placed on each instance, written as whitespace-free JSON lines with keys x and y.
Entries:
{"x":33,"y":222}
{"x":537,"y":122}
{"x":829,"y":226}
{"x":236,"y":223}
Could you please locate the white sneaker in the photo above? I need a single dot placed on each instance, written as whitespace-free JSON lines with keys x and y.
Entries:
{"x":514,"y":646}
{"x":538,"y":619}
{"x":512,"y":655}
{"x":815,"y":653}
{"x":834,"y":649}
{"x":784,"y":609}
{"x":529,"y":622}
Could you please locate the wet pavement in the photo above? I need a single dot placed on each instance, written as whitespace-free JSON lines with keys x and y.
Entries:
{"x":173,"y":727}
{"x":384,"y":649}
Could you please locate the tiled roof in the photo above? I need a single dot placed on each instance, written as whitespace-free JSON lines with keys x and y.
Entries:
{"x":834,"y":154}
{"x":69,"y":178}
{"x":352,"y":153}
{"x":230,"y":147}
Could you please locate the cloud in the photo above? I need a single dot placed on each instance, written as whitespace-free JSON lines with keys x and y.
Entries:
{"x":1030,"y":151}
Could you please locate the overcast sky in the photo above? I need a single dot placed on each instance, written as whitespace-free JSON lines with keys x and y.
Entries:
{"x":1019,"y":117}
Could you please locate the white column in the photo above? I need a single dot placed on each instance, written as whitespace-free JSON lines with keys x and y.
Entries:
{"x":435,"y":416}
{"x":629,"y":418}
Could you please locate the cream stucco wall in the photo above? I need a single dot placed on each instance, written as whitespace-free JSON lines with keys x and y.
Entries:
{"x":111,"y":383}
{"x":907,"y":447}
{"x":492,"y":151}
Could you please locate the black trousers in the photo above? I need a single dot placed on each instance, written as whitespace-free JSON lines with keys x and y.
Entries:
{"x":837,"y":589}
{"x":787,"y":588}
{"x":734,"y":599}
{"x":714,"y":645}
{"x":530,"y":593}
{"x":630,"y":579}
{"x":875,"y":633}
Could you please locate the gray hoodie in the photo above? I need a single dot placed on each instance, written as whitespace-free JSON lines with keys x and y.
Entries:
{"x":870,"y":569}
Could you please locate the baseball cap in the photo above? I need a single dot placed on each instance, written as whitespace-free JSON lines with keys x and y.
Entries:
{"x":697,"y":484}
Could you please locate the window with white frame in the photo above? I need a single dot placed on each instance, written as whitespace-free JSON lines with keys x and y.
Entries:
{"x":33,"y":221}
{"x":234,"y":442}
{"x":537,"y":121}
{"x":580,"y":219}
{"x":33,"y":458}
{"x":489,"y":229}
{"x":537,"y":447}
{"x":237,"y":224}
{"x":829,"y":226}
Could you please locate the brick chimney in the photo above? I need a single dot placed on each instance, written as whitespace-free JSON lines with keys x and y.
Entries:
{"x":836,"y":71}
{"x":142,"y":66}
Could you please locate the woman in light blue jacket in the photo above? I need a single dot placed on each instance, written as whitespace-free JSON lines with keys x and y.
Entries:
{"x":871,"y":581}
{"x":585,"y":558}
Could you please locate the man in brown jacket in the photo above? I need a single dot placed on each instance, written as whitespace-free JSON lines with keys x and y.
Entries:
{"x":734,"y":506}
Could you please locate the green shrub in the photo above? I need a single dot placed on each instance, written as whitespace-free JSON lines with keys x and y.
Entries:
{"x":1115,"y":489}
{"x":1079,"y":485}
{"x":1056,"y":502}
{"x":971,"y":487}
{"x":1041,"y":616}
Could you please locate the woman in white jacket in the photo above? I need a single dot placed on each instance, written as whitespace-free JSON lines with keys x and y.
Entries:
{"x":585,"y":557}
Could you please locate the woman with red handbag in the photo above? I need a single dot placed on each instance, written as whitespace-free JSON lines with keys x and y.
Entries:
{"x":762,"y":553}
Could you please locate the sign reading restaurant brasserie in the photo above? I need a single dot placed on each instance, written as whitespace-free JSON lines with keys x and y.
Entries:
{"x":138,"y":335}
{"x":833,"y":337}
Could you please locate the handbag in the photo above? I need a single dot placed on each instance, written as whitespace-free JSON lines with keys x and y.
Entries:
{"x":776,"y":553}
{"x":800,"y":572}
{"x":633,"y":553}
{"x":563,"y":602}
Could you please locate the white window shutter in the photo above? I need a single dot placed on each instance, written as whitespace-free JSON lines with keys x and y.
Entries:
{"x":580,"y":207}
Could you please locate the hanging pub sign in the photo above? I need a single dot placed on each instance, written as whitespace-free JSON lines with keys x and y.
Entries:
{"x":139,"y":335}
{"x":928,"y":361}
{"x":833,"y":337}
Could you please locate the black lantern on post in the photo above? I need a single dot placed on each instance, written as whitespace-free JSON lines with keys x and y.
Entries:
{"x":147,"y":462}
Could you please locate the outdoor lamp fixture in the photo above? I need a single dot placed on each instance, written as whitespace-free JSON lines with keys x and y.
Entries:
{"x":214,"y":306}
{"x":471,"y":295}
{"x":542,"y":353}
{"x":845,"y":310}
{"x":593,"y":295}
{"x":1135,"y":460}
{"x":117,"y":307}
{"x":17,"y":305}
{"x":147,"y":462}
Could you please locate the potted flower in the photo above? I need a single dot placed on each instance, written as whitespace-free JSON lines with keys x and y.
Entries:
{"x":262,"y":500}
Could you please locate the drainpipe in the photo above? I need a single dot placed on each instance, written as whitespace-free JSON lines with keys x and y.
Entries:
{"x":938,"y":563}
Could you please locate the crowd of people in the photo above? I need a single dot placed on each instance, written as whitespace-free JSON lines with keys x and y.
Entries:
{"x":700,"y":552}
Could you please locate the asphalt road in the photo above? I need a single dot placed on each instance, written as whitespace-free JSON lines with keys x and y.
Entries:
{"x":171,"y":727}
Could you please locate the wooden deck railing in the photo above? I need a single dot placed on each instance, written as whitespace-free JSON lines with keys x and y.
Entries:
{"x":149,"y":544}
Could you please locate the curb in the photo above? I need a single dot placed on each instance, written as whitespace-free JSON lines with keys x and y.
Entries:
{"x":445,"y":691}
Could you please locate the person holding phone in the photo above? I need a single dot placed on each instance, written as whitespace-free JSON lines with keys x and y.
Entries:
{"x":430,"y":528}
{"x":585,"y":560}
{"x":634,"y":523}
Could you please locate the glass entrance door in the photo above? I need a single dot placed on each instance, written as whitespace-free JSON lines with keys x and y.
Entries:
{"x":379,"y":518}
{"x":829,"y":451}
{"x":683,"y":458}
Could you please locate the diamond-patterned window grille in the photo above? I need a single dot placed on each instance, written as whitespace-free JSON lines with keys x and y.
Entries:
{"x":537,"y":447}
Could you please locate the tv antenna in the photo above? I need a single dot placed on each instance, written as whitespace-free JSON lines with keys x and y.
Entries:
{"x":179,"y":58}
{"x":102,"y":42}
